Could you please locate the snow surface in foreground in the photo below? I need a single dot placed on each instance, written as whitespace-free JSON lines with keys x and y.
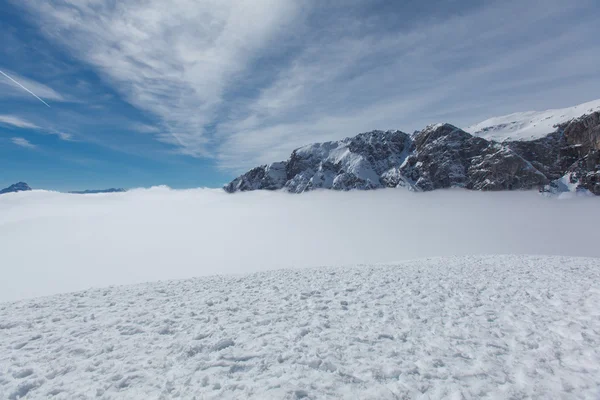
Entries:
{"x":54,"y":242}
{"x":459,"y":328}
{"x":530,"y":125}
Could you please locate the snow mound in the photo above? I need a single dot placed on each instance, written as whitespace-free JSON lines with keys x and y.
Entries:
{"x":469,"y":327}
{"x":530,"y":125}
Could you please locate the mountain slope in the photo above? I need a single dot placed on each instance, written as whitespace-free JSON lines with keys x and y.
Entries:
{"x":440,"y":156}
{"x":530,"y":125}
{"x":466,"y":327}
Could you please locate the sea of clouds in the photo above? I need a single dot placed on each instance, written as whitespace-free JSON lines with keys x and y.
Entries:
{"x":54,"y":242}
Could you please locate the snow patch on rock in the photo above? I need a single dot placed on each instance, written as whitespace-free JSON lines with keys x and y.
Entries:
{"x":530,"y":125}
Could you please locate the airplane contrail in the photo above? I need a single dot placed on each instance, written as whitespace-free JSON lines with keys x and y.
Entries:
{"x":24,"y":88}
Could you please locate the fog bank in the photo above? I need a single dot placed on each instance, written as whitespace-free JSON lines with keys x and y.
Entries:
{"x":54,"y":242}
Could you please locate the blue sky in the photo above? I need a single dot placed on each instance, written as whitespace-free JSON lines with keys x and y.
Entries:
{"x":190,"y":93}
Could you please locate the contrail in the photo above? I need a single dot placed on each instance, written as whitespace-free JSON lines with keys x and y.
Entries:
{"x":24,"y":88}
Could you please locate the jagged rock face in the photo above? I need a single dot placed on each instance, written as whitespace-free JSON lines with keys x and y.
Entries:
{"x":549,"y":155}
{"x":584,"y":132}
{"x":582,"y":141}
{"x":267,"y":177}
{"x":446,"y":156}
{"x":585,"y":173}
{"x":440,"y":156}
{"x":352,"y":163}
{"x":17,"y":187}
{"x":500,"y":168}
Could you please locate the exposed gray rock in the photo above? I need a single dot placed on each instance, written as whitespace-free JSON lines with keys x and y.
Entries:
{"x":439,"y":156}
{"x":583,"y":132}
{"x":579,"y":160}
{"x":267,"y":177}
{"x":445,"y":156}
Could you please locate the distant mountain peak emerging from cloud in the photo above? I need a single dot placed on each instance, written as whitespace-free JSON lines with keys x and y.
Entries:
{"x":555,"y":150}
{"x":17,"y":187}
{"x":22,"y":186}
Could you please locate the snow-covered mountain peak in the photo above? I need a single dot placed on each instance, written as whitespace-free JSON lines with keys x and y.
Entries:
{"x":432,"y":127}
{"x":438,"y":130}
{"x":530,"y":125}
{"x":323,"y":149}
{"x":443,"y":155}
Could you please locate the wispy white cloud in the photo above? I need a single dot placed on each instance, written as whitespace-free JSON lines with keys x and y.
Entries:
{"x":144,"y":128}
{"x":19,"y":141}
{"x":247,"y":81}
{"x":61,"y":135}
{"x":17,"y":122}
{"x":173,"y":59}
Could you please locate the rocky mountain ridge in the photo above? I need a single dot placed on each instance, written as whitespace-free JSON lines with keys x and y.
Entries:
{"x":440,"y":156}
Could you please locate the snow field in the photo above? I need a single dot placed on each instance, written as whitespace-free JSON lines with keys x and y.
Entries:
{"x":530,"y":125}
{"x":492,"y":327}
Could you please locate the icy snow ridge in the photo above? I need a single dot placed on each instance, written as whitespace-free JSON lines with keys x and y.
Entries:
{"x":530,"y":125}
{"x":471,"y":327}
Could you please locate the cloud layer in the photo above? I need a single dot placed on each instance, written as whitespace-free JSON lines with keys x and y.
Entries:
{"x":53,"y":242}
{"x":245,"y":82}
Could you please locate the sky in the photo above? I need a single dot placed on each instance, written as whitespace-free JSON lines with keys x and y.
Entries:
{"x":191,"y":93}
{"x":154,"y":234}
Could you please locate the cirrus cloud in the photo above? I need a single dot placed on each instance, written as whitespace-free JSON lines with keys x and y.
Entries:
{"x":245,"y":82}
{"x":17,"y":122}
{"x":21,"y":123}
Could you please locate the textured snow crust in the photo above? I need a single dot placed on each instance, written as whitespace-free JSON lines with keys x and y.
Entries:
{"x":491,"y":327}
{"x":530,"y":125}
